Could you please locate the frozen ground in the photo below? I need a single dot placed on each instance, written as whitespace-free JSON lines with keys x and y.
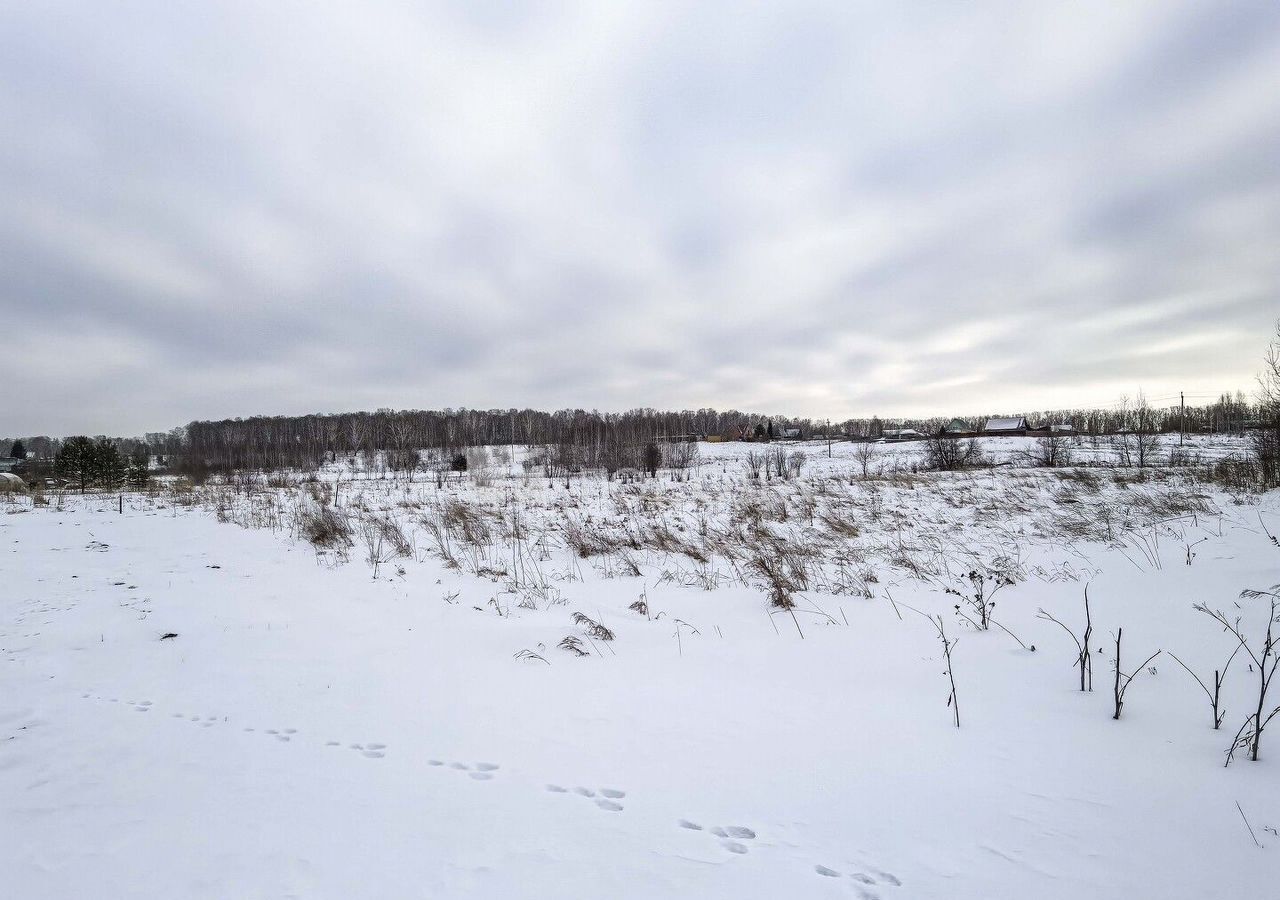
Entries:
{"x":313,"y":732}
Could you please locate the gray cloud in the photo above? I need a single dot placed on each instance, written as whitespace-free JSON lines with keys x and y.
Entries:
{"x":821,"y":208}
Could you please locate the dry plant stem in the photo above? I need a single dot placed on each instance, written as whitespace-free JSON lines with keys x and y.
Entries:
{"x":1219,"y":675}
{"x":953,"y":700}
{"x":1247,"y":825}
{"x":1123,"y":681}
{"x":1265,"y":660}
{"x":1083,"y":658}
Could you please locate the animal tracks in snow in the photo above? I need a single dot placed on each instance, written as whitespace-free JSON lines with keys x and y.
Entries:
{"x":481,"y":771}
{"x":731,"y":835}
{"x":371,"y":750}
{"x":733,"y":839}
{"x":864,"y":879}
{"x":607,"y":800}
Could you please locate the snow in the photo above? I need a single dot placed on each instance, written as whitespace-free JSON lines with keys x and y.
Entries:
{"x":313,"y":732}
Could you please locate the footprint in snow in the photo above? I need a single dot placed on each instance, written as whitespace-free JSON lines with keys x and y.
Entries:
{"x":480,"y":776}
{"x":888,"y":878}
{"x":734,"y":847}
{"x":584,"y":792}
{"x":612,"y":793}
{"x":556,"y":789}
{"x":829,"y":873}
{"x":609,"y":805}
{"x":692,"y":826}
{"x":487,"y":767}
{"x":435,"y":762}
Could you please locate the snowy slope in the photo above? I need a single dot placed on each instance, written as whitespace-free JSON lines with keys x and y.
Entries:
{"x":312,"y":732}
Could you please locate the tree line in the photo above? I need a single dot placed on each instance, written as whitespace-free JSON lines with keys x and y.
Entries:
{"x":571,"y":439}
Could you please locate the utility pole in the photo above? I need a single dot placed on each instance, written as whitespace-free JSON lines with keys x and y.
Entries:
{"x":1182,"y":416}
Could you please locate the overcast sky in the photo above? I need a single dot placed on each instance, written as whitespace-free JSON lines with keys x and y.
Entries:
{"x":826,"y":209}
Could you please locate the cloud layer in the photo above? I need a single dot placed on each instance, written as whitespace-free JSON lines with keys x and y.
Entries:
{"x":830,"y":209}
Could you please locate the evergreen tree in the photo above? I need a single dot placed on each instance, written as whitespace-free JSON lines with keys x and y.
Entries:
{"x":108,"y":467}
{"x":19,"y":450}
{"x":138,"y":472}
{"x":77,"y":460}
{"x":652,"y":458}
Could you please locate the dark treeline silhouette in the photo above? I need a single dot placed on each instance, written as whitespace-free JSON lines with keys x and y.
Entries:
{"x":587,"y":439}
{"x":306,"y":441}
{"x":603,"y":440}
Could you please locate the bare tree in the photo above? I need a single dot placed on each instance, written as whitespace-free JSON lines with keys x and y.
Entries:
{"x":948,"y":454}
{"x":682,"y":455}
{"x":776,"y":461}
{"x":357,"y":433}
{"x":1140,"y":437}
{"x":615,"y":455}
{"x":1051,"y":451}
{"x":795,"y":463}
{"x":1266,"y":440}
{"x":863,"y":454}
{"x":401,"y":455}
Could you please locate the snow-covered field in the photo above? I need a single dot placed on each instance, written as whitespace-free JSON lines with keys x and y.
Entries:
{"x":311,"y":731}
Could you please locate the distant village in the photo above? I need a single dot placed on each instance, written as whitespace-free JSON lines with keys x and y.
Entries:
{"x":877,"y":431}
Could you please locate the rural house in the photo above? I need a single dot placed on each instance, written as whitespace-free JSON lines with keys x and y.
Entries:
{"x":1016,"y":426}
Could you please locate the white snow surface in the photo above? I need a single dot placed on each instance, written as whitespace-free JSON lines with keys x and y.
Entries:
{"x":314,"y":732}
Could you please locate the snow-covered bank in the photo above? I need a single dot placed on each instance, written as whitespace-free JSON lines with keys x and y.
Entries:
{"x":313,"y":732}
